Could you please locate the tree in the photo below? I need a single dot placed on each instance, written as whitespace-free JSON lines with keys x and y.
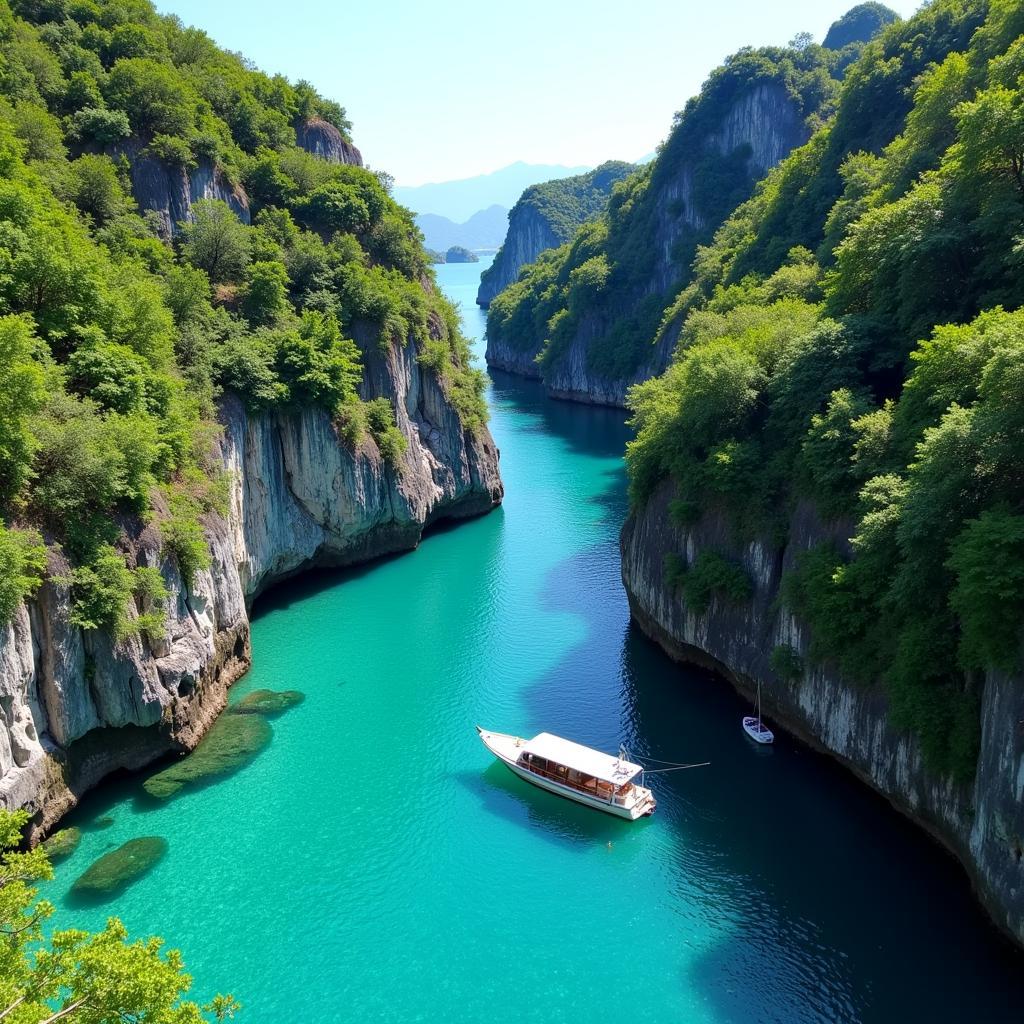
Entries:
{"x":77,"y":976}
{"x":216,"y":241}
{"x":21,"y":395}
{"x":265,"y":296}
{"x":96,"y":189}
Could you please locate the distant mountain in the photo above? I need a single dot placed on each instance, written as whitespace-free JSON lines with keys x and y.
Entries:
{"x":459,"y":200}
{"x":484,"y":230}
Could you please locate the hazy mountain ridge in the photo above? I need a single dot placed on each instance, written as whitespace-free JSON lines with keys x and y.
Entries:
{"x":458,"y":200}
{"x":484,"y":230}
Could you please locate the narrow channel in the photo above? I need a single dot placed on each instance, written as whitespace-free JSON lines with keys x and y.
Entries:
{"x":373,"y":864}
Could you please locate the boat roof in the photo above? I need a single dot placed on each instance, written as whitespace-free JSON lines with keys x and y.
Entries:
{"x":606,"y":767}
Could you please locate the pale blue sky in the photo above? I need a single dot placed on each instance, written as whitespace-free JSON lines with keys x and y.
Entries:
{"x":456,"y":88}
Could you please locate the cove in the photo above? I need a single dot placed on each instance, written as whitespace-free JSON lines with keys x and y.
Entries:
{"x":373,"y":864}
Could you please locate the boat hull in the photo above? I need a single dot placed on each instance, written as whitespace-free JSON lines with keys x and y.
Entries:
{"x":497,"y":743}
{"x":765,"y":735}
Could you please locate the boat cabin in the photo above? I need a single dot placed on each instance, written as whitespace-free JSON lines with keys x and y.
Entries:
{"x":590,"y":772}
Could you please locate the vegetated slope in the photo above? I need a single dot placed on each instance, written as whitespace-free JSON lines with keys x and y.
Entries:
{"x":588,"y":314}
{"x":182,"y":281}
{"x":841,"y":431}
{"x":484,"y":230}
{"x":545,"y":216}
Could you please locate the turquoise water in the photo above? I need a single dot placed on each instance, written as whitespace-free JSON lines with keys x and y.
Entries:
{"x":373,"y":864}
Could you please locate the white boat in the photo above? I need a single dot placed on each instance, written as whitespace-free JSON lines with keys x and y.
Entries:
{"x":578,"y":773}
{"x":754,"y":727}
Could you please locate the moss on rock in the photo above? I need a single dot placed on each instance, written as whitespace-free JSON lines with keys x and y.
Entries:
{"x":115,"y":871}
{"x":62,"y":844}
{"x":269,"y":703}
{"x":232,"y":742}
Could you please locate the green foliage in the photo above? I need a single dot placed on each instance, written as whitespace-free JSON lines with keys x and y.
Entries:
{"x":182,"y":532}
{"x":96,"y":188}
{"x":266,"y":292}
{"x":859,"y":24}
{"x":216,"y":241}
{"x":988,"y":561}
{"x":96,"y":976}
{"x":563,"y":205}
{"x":316,"y":363}
{"x":380,"y":420}
{"x":115,"y":342}
{"x":21,"y":395}
{"x":612,"y":283}
{"x":712,"y":575}
{"x":22,"y":565}
{"x":786,"y":662}
{"x":102,"y":591}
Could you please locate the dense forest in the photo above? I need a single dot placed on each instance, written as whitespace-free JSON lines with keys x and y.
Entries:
{"x":118,"y":332}
{"x":612,"y":273}
{"x":852,"y":337}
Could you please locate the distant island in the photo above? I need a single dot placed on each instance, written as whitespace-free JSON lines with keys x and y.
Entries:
{"x":455,"y":254}
{"x":459,"y":254}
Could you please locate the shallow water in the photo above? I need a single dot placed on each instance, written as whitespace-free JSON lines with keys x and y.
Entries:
{"x":373,"y":864}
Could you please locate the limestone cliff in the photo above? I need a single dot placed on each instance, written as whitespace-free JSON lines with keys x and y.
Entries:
{"x":546,"y":216}
{"x":322,"y":139}
{"x":982,"y":824}
{"x":759,"y":129}
{"x":169,"y":190}
{"x":606,"y":343}
{"x":75,"y":706}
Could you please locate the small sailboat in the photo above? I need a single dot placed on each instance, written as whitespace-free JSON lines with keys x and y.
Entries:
{"x":754,"y":727}
{"x":579,"y":773}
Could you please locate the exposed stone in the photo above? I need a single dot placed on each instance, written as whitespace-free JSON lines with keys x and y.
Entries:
{"x":170,"y":191}
{"x":322,"y":139}
{"x":982,"y":824}
{"x":115,"y":871}
{"x":761,"y":128}
{"x":269,"y":703}
{"x":232,"y":742}
{"x":75,"y":707}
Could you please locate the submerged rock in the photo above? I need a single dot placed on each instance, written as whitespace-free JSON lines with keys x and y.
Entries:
{"x":62,"y":844}
{"x":269,"y":703}
{"x":233,"y":741}
{"x":115,"y":871}
{"x":105,"y":822}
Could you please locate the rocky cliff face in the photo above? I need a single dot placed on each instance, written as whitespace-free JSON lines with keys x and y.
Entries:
{"x":529,"y":234}
{"x":546,"y":216}
{"x":169,"y":190}
{"x":758,"y":130}
{"x":982,"y":824}
{"x":322,"y":139}
{"x":75,"y":706}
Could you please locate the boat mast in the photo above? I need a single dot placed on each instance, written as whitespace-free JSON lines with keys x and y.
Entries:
{"x":759,"y":705}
